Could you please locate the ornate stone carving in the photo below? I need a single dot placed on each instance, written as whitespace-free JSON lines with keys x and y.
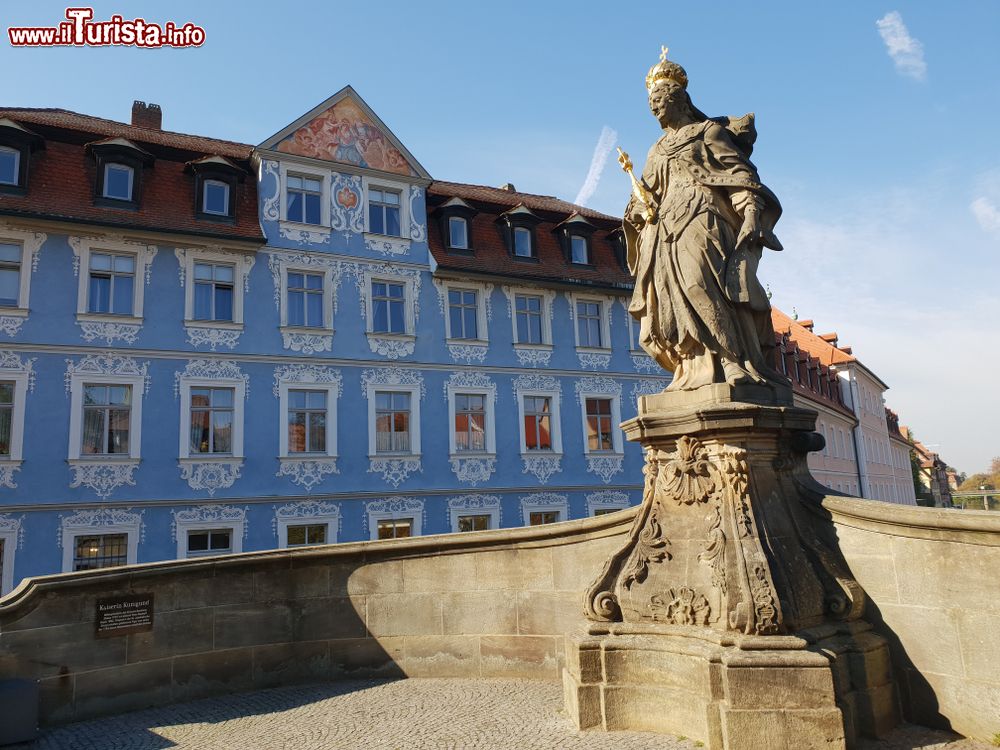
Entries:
{"x":473,"y":471}
{"x":92,"y":330}
{"x":103,"y":477}
{"x":211,"y":476}
{"x":683,"y":607}
{"x":605,"y":466}
{"x":396,"y":469}
{"x":213,"y":337}
{"x":307,"y":472}
{"x":543,"y":467}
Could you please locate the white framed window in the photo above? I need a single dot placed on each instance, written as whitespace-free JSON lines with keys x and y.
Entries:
{"x":467,"y":317}
{"x":607,"y":501}
{"x":305,"y":299}
{"x":13,"y":392}
{"x":474,"y":512}
{"x":393,"y":420}
{"x":539,"y":418}
{"x":11,"y":257}
{"x":305,"y":523}
{"x":458,"y":233}
{"x":94,"y":539}
{"x":10,"y":165}
{"x":213,"y":291}
{"x":305,"y":197}
{"x":18,"y":257}
{"x":387,"y":211}
{"x":309,"y":425}
{"x":209,"y":530}
{"x":10,"y":530}
{"x":471,"y":414}
{"x":113,"y":275}
{"x":212,"y":414}
{"x":394,"y":518}
{"x":601,"y":417}
{"x":544,"y":508}
{"x":118,"y":181}
{"x":531,"y":313}
{"x":579,"y":249}
{"x":215,"y":198}
{"x":592,"y":321}
{"x":105,"y":417}
{"x":522,"y":242}
{"x":390,"y":305}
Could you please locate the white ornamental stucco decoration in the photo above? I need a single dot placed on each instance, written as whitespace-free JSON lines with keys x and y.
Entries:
{"x":307,"y":343}
{"x":107,"y":363}
{"x":542,"y":500}
{"x":648,"y":387}
{"x":10,"y":325}
{"x":418,"y":230}
{"x":392,"y":375}
{"x":13,"y":525}
{"x":396,"y":506}
{"x":441,"y":286}
{"x":213,"y":337}
{"x":7,"y":471}
{"x":606,"y":500}
{"x":534,"y":382}
{"x":103,"y":477}
{"x":209,"y":514}
{"x":212,"y":369}
{"x":307,"y":375}
{"x":144,"y":253}
{"x":605,"y":466}
{"x":644,"y":363}
{"x":470,"y":379}
{"x":598,"y":385}
{"x":307,"y":472}
{"x":347,"y":210}
{"x":305,"y":510}
{"x":390,"y":347}
{"x":304,"y":236}
{"x":211,"y":476}
{"x":593,"y":360}
{"x":394,"y":470}
{"x":109,"y":333}
{"x":473,"y":470}
{"x":390,"y":246}
{"x":474,"y":502}
{"x":99,"y":518}
{"x":533,"y":357}
{"x":543,"y":467}
{"x":243,"y":262}
{"x":362,"y":271}
{"x":468,"y":353}
{"x":270,"y":207}
{"x":10,"y":361}
{"x":512,"y":291}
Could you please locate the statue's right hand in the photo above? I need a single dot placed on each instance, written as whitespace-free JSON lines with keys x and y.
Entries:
{"x":635,"y":213}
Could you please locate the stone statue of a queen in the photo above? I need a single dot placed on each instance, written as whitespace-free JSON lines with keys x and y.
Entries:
{"x":695,"y":228}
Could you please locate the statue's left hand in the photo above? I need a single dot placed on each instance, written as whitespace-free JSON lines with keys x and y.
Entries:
{"x":751,"y":233}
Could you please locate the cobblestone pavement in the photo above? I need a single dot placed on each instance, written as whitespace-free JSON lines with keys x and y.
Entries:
{"x":423,"y":714}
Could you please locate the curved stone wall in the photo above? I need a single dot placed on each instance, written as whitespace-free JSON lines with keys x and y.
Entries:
{"x":933,"y":581}
{"x":487,"y":604}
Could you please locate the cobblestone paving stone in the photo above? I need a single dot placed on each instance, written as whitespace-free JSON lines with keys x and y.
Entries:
{"x":424,"y":714}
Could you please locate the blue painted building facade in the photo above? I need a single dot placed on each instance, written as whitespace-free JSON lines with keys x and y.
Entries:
{"x":295,"y":376}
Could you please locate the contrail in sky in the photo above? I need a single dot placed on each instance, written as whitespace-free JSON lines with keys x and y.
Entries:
{"x":604,"y":145}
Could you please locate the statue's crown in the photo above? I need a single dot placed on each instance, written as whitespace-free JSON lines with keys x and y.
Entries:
{"x":666,"y":70}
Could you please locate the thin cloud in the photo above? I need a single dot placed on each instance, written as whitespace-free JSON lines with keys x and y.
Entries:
{"x":987,"y":214}
{"x":605,"y":143}
{"x":906,"y":52}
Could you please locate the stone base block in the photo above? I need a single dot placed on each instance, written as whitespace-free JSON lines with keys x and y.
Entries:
{"x":730,"y":692}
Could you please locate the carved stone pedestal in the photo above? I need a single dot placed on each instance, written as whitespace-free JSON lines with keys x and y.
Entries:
{"x":728,"y":615}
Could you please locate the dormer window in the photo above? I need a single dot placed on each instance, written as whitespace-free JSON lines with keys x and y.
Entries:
{"x":215,"y":199}
{"x":522,"y":242}
{"x":458,"y":233}
{"x":579,"y":252}
{"x":10,"y":165}
{"x":118,"y":181}
{"x":215,"y":184}
{"x":574,"y":236}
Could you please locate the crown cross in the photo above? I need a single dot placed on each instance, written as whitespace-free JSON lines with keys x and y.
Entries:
{"x":663,"y":53}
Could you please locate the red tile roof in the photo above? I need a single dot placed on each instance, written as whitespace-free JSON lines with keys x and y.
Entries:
{"x":808,"y":341}
{"x":490,"y":255}
{"x":61,"y":177}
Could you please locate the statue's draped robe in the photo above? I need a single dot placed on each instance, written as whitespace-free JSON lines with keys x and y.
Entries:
{"x":698,"y":298}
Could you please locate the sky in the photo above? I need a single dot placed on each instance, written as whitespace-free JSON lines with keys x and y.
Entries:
{"x":875,"y":119}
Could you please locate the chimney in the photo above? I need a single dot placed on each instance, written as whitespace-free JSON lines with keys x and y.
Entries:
{"x":508,"y":187}
{"x":146,"y":115}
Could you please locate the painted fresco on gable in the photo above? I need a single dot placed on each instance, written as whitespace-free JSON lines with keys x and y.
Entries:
{"x":344,"y":133}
